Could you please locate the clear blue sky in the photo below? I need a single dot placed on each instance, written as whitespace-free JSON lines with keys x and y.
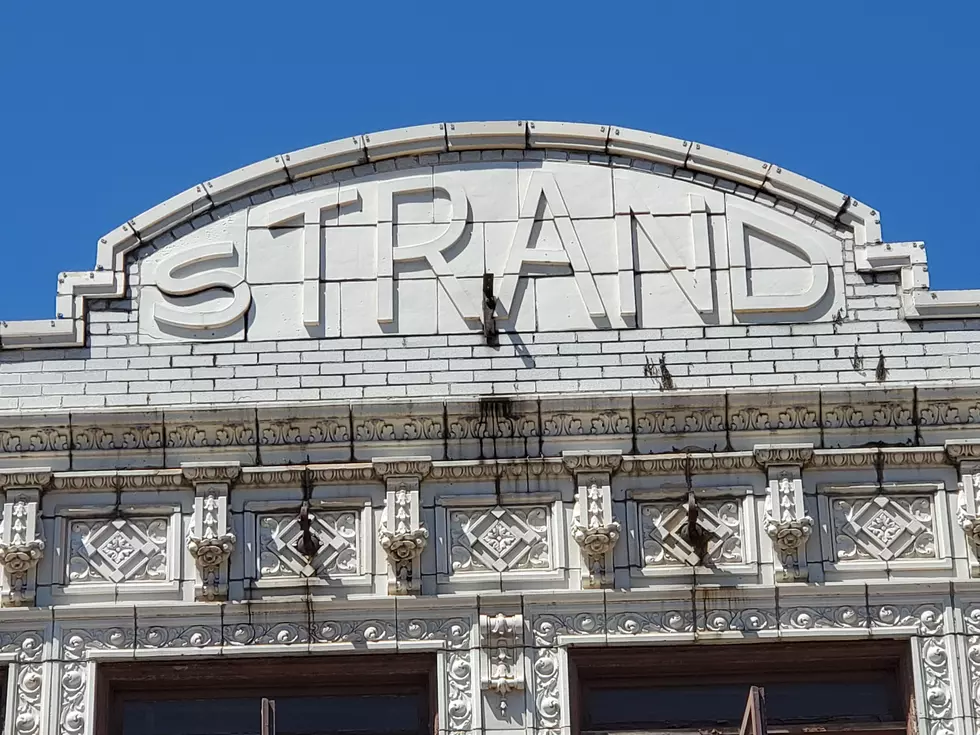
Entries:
{"x":109,"y":108}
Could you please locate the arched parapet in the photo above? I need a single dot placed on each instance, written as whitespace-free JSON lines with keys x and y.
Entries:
{"x":701,"y":164}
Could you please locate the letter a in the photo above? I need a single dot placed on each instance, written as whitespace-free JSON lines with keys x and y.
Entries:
{"x":543,"y":189}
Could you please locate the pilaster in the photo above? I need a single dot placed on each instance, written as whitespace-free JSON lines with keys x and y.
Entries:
{"x":402,"y":535}
{"x":210,"y":541}
{"x":785,"y":520}
{"x":593,"y":527}
{"x":21,"y":539}
{"x":966,"y":455}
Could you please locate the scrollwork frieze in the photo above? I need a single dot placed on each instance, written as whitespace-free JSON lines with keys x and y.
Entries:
{"x":456,"y":632}
{"x":749,"y":620}
{"x":926,"y":619}
{"x":75,"y":642}
{"x":840,"y":617}
{"x":24,"y":440}
{"x":116,"y":438}
{"x":775,"y":418}
{"x":27,"y":646}
{"x":201,"y":435}
{"x":265,"y":634}
{"x":289,"y":432}
{"x":665,"y":622}
{"x":179,"y":636}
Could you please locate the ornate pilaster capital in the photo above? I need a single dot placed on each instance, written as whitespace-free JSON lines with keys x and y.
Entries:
{"x":586,"y":460}
{"x":217,"y":473}
{"x":963,"y":450}
{"x":28,"y":477}
{"x":782,"y":454}
{"x":392,"y":467}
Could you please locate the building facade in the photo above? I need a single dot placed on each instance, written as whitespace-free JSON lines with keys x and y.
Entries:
{"x":516,"y":426}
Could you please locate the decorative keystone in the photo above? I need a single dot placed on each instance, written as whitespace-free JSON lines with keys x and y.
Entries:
{"x":211,"y":542}
{"x":592,"y":460}
{"x":502,"y":640}
{"x":783,"y":454}
{"x":401,"y":535}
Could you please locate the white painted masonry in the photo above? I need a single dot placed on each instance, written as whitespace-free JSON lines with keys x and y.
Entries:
{"x":306,"y":338}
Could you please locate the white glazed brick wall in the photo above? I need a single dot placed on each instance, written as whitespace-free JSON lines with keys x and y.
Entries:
{"x":115,"y":370}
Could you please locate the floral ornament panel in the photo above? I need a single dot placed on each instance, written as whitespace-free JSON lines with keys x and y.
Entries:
{"x":664,"y":536}
{"x":884,"y":528}
{"x":118,"y":550}
{"x":338,"y":553}
{"x":500,"y":539}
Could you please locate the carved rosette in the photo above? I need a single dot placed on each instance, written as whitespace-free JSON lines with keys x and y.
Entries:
{"x":785,"y":520}
{"x":502,"y":639}
{"x":593,"y":527}
{"x":211,"y":543}
{"x":21,"y":545}
{"x":210,"y":556}
{"x":402,"y":535}
{"x":19,"y":562}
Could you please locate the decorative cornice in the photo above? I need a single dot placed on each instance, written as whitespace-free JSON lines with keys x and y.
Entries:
{"x":113,"y":480}
{"x":963,"y":450}
{"x":679,"y":464}
{"x":783,"y":454}
{"x":328,"y":473}
{"x":883,"y":456}
{"x":592,"y":460}
{"x":475,"y":470}
{"x":34,"y":477}
{"x":287,"y":476}
{"x":388,"y":467}
{"x":198,"y":473}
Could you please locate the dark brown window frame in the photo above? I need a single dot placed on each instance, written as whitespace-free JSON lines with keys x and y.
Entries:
{"x":741,"y":663}
{"x":246,"y":675}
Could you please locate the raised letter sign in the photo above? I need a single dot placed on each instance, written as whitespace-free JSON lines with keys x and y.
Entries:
{"x":542,"y":193}
{"x":171,"y":283}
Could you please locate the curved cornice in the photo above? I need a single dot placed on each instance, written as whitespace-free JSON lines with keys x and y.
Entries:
{"x":108,"y":279}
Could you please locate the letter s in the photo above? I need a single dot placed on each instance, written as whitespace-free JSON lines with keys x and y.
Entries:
{"x":197,"y":316}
